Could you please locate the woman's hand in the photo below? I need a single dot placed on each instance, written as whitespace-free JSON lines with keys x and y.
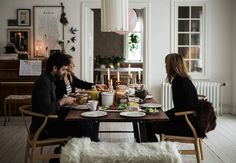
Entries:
{"x":101,"y":87}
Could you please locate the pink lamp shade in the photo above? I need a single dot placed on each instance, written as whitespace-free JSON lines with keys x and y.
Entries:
{"x":132,"y":20}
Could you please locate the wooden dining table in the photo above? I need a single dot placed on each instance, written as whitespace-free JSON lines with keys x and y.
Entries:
{"x":139,"y":123}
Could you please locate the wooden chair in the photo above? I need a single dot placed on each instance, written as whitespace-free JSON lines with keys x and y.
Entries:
{"x":33,"y":141}
{"x":183,"y":139}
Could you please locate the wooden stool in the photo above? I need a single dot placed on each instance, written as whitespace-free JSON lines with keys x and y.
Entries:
{"x":22,"y":99}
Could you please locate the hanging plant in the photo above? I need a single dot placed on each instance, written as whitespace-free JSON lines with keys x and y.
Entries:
{"x":133,"y":42}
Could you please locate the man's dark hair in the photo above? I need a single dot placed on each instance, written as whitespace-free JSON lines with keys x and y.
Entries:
{"x":58,"y":60}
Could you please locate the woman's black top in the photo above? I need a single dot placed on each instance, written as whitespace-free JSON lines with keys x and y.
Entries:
{"x":75,"y":83}
{"x":184,"y":95}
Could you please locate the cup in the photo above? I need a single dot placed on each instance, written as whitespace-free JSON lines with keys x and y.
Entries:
{"x":107,"y":98}
{"x":92,"y":105}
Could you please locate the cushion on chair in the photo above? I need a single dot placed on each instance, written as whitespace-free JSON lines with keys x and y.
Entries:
{"x":84,"y":151}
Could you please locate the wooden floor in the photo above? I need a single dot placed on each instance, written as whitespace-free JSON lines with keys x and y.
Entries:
{"x":219,"y":147}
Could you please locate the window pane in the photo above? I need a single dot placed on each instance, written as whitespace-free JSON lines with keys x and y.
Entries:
{"x":184,"y":51}
{"x":183,"y":25}
{"x":183,"y":39}
{"x":196,"y":12}
{"x":195,"y":39}
{"x":183,"y":12}
{"x":195,"y":53}
{"x":195,"y":26}
{"x":186,"y":62}
{"x":196,"y":66}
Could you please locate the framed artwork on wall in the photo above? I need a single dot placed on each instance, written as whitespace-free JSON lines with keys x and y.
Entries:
{"x":20,"y":38}
{"x":23,"y":17}
{"x":48,"y":29}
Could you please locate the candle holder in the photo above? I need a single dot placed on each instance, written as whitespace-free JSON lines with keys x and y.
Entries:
{"x":129,"y":79}
{"x":109,"y":84}
{"x":117,"y":83}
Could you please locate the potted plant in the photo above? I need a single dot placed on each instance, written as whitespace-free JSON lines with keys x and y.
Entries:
{"x":116,"y":60}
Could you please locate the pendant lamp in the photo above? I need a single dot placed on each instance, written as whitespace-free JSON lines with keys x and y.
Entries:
{"x":114,"y":15}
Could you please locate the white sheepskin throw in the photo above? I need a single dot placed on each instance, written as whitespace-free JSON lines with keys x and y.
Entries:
{"x":84,"y":151}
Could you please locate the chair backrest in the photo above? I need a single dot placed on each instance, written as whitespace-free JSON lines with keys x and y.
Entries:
{"x":25,"y":111}
{"x":185,"y":114}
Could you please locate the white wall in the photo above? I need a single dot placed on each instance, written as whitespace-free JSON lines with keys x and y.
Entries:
{"x":234,"y":57}
{"x":219,"y":37}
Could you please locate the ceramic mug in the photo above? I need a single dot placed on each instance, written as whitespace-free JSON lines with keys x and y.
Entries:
{"x":92,"y":105}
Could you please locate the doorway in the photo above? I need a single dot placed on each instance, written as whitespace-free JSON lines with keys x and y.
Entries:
{"x":87,"y":33}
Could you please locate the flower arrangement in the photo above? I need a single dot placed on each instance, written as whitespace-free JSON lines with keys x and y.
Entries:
{"x":109,"y":60}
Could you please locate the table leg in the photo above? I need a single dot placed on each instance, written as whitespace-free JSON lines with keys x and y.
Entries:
{"x":136,"y":132}
{"x":143,"y":132}
{"x":95,"y":129}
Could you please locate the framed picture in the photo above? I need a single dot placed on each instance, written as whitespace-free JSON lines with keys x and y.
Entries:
{"x":20,"y":38}
{"x":23,"y":17}
{"x":48,"y":29}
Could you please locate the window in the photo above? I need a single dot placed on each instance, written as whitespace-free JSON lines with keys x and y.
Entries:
{"x":133,"y":44}
{"x":189,"y":33}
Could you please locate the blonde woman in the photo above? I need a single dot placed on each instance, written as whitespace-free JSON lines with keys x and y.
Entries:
{"x":184,"y":98}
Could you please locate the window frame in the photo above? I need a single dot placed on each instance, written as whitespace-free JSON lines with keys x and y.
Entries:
{"x":203,"y":39}
{"x":126,"y":45}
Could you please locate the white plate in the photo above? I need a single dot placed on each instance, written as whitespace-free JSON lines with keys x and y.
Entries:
{"x":133,"y":114}
{"x":148,"y":97}
{"x":80,"y":107}
{"x":94,"y":114}
{"x":150,"y":105}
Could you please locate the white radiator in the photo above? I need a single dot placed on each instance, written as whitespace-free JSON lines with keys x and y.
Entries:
{"x":213,"y":91}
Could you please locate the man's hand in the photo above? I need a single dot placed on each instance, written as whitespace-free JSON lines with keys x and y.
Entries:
{"x":67,"y":100}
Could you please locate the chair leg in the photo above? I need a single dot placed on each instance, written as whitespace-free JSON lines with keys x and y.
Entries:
{"x":32,"y":155}
{"x":5,"y":112}
{"x":161,"y":137}
{"x":26,"y":152}
{"x":201,"y":151}
{"x":9,"y":112}
{"x":197,"y":149}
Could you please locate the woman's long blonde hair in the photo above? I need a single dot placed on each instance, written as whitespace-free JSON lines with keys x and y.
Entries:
{"x":175,"y":66}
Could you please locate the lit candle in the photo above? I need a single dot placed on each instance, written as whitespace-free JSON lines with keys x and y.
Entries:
{"x":37,"y":49}
{"x":139,"y":75}
{"x":108,"y":74}
{"x":118,"y":76}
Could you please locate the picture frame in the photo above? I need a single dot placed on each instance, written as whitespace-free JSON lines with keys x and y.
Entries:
{"x":48,"y":29}
{"x":20,"y":37}
{"x":23,"y":17}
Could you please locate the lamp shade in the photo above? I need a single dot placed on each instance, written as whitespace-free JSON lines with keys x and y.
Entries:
{"x":114,"y":15}
{"x":132,"y":20}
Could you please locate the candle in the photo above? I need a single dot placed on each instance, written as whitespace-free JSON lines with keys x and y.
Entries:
{"x":129,"y":70}
{"x":37,"y":49}
{"x":111,"y":83}
{"x":118,"y":76}
{"x":139,"y":75}
{"x":108,"y":74}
